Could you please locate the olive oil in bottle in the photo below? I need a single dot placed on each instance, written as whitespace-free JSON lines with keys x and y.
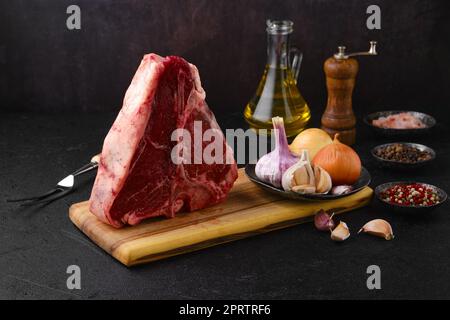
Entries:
{"x":277,"y":93}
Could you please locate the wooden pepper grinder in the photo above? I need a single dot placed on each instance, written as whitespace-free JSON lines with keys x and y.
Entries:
{"x":340,"y":71}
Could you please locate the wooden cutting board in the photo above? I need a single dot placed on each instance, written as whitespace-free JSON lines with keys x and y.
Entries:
{"x":247,"y":211}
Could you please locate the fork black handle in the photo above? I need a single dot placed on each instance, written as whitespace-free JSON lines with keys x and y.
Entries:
{"x":88,"y":167}
{"x":50,"y":195}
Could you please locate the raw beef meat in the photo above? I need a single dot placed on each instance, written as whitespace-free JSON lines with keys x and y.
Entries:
{"x":137,"y":178}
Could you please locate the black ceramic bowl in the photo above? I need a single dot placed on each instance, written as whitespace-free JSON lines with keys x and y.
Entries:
{"x":409,"y":209}
{"x":403,"y":165}
{"x":428,"y":120}
{"x":363,"y":181}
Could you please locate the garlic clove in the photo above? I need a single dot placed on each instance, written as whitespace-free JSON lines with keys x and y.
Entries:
{"x":342,"y":189}
{"x":323,"y":221}
{"x":300,"y":176}
{"x":304,"y":189}
{"x":341,"y":232}
{"x":378,"y":227}
{"x":311,"y":178}
{"x":322,"y":180}
{"x":288,"y":179}
{"x":304,"y":155}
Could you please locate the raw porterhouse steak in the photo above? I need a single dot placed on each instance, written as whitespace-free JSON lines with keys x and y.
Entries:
{"x":137,"y":178}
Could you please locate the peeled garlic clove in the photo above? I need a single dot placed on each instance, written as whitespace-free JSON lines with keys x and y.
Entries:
{"x":322,"y":179}
{"x":341,"y":232}
{"x":304,"y":189}
{"x":323,"y":221}
{"x":378,"y":227}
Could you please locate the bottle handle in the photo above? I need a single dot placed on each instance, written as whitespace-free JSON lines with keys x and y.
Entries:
{"x":296,"y":57}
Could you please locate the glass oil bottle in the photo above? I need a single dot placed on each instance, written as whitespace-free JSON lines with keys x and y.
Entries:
{"x":277,"y":93}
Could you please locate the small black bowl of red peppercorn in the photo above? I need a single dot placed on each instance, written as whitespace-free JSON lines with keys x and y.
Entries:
{"x":410,"y":197}
{"x":403,"y":155}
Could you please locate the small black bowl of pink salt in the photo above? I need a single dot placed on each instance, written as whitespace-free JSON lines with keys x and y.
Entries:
{"x":400,"y":123}
{"x":403,"y":155}
{"x":410,"y":197}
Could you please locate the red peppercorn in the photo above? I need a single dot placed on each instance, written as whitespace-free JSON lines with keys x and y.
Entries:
{"x":415,"y":194}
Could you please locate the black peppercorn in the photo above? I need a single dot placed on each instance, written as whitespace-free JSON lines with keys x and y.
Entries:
{"x":402,"y":153}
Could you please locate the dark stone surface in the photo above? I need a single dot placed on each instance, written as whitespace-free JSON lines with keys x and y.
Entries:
{"x":37,"y":245}
{"x":44,"y":66}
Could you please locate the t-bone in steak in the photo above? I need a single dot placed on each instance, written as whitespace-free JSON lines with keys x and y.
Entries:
{"x":137,"y":178}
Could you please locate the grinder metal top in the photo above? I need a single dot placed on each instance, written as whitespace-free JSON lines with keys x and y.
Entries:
{"x":340,"y":55}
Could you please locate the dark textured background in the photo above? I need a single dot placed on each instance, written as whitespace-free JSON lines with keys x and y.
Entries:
{"x":44,"y":66}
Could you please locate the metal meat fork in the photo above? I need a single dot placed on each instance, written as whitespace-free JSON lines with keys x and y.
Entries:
{"x":63,"y":187}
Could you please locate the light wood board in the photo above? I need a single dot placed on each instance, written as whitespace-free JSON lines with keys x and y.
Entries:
{"x":248,"y":211}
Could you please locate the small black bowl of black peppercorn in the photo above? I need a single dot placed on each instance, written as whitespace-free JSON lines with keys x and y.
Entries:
{"x":403,"y":155}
